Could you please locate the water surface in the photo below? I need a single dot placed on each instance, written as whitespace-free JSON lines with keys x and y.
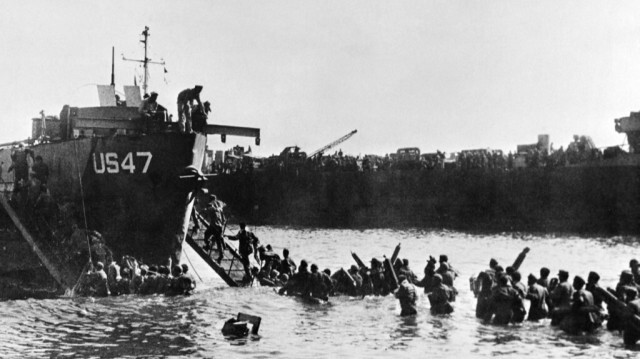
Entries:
{"x":158,"y":326}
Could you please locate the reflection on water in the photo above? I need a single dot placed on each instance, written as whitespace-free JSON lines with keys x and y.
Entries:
{"x":157,"y":326}
{"x":406,"y":331}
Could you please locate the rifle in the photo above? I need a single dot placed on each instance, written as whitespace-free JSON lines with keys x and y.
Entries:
{"x":394,"y":257}
{"x":390,"y":275}
{"x":518,"y":262}
{"x":622,"y":307}
{"x":358,"y":260}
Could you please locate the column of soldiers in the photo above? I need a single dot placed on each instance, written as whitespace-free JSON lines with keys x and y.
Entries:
{"x":575,"y":307}
{"x":378,"y":279}
{"x":128,"y":277}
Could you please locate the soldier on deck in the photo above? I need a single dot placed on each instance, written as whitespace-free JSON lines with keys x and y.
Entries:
{"x":149,"y":105}
{"x":152,"y":112}
{"x":186,"y":100}
{"x":199,"y":116}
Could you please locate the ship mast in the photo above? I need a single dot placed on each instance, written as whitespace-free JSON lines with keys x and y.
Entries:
{"x":146,"y":61}
{"x":113,"y":75}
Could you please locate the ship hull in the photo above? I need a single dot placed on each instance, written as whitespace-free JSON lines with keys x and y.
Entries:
{"x":127,"y":188}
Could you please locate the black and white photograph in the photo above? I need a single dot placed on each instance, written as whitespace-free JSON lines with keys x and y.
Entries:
{"x":320,"y":179}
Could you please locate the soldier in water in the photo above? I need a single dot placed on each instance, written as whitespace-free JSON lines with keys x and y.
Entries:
{"x":287,"y":265}
{"x":485,"y":282}
{"x":407,"y":296}
{"x":538,"y":296}
{"x":503,"y":302}
{"x":544,"y":277}
{"x":441,"y":297}
{"x":298,"y":283}
{"x":584,"y":315}
{"x":561,"y":298}
{"x":428,"y":282}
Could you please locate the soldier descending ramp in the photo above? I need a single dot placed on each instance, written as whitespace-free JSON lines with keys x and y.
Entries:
{"x":230,"y":268}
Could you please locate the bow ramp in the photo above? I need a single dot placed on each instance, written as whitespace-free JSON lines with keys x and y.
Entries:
{"x":230,"y":268}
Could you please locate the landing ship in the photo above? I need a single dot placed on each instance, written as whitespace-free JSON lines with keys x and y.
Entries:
{"x":112,"y":174}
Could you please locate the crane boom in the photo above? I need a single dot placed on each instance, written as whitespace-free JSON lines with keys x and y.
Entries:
{"x":334,"y":143}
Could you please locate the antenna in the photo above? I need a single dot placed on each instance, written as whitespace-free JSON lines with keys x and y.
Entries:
{"x":146,"y":61}
{"x":113,"y":76}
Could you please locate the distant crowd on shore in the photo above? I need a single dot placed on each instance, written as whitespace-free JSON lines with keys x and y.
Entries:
{"x":580,"y":150}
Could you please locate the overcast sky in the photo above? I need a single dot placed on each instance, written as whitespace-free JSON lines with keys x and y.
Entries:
{"x":448,"y":75}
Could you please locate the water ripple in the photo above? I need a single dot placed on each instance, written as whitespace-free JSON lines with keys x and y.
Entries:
{"x":158,"y":326}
